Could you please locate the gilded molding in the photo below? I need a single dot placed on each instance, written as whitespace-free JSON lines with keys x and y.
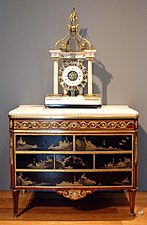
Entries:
{"x":74,"y":194}
{"x":11,"y":150}
{"x":10,"y":124}
{"x":136,"y":148}
{"x":73,"y":124}
{"x":136,"y":124}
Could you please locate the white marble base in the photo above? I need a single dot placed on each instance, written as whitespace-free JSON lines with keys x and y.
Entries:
{"x":106,"y":111}
{"x":79,"y":100}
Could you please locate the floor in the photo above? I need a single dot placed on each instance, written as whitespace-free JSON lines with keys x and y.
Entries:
{"x":48,"y":208}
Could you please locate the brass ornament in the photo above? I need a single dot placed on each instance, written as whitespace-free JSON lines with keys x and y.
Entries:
{"x":73,"y":33}
{"x":136,"y":148}
{"x":11,"y":149}
{"x":10,"y":124}
{"x":71,"y":124}
{"x":74,"y":194}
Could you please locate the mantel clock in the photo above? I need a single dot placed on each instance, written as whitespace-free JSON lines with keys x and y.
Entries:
{"x":73,"y":56}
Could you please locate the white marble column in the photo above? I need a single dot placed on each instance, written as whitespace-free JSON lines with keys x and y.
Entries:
{"x":55,"y":54}
{"x":55,"y":76}
{"x":89,"y":76}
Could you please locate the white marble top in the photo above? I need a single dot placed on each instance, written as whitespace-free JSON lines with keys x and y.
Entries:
{"x":106,"y":111}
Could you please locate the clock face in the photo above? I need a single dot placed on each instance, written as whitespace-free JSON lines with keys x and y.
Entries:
{"x":72,"y":75}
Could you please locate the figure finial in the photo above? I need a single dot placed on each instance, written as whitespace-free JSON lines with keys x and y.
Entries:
{"x":73,"y":16}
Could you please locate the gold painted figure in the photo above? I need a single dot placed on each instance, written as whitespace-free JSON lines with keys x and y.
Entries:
{"x":73,"y":16}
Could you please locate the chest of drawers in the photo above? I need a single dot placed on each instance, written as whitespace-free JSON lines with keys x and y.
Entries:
{"x":73,"y":151}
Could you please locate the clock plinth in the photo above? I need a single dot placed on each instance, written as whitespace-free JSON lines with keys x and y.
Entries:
{"x":80,"y":101}
{"x":73,"y":60}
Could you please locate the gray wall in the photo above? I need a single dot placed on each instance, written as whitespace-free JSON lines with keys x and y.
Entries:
{"x":29,"y":28}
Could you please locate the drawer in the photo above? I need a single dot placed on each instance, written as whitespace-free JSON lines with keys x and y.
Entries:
{"x":73,"y":179}
{"x":44,"y":142}
{"x":113,"y":161}
{"x":110,"y":142}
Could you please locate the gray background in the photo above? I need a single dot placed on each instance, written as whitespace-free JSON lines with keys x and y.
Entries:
{"x":116,"y":28}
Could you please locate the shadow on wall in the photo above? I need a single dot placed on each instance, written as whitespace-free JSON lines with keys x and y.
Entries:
{"x":101,"y":77}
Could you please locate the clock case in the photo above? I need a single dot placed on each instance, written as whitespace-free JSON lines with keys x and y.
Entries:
{"x":73,"y":57}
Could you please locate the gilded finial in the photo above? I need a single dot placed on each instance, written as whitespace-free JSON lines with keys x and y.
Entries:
{"x":73,"y":16}
{"x":73,"y":27}
{"x":73,"y":38}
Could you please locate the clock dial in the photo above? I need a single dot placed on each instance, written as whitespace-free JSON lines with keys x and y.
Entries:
{"x":72,"y":75}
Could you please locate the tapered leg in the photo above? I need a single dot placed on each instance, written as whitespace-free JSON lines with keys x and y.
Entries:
{"x":132,"y":195}
{"x":15,"y":196}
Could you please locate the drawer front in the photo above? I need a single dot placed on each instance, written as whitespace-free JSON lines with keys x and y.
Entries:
{"x":44,"y":142}
{"x":109,"y":142}
{"x":73,"y":179}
